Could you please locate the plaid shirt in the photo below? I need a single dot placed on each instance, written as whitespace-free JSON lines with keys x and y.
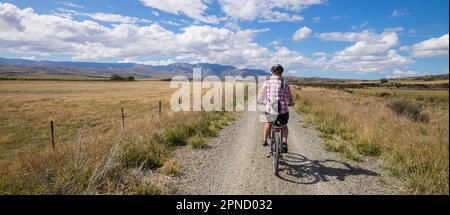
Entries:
{"x":276,"y":95}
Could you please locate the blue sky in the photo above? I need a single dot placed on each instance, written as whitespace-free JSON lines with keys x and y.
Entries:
{"x":365,"y":39}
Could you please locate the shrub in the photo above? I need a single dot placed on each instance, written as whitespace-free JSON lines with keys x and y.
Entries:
{"x":197,"y":142}
{"x":174,"y":136}
{"x":384,"y":80}
{"x":430,"y":78}
{"x":115,"y":77}
{"x":149,"y":155}
{"x":171,"y":168}
{"x":408,"y":109}
{"x":383,"y":94}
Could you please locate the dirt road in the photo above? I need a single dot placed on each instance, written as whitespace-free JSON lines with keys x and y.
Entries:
{"x":236,"y":163}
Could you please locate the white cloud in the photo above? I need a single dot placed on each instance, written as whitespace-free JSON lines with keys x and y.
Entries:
{"x":221,"y":45}
{"x":403,"y":73}
{"x":434,"y":47}
{"x":109,"y":17}
{"x":320,"y":54}
{"x":347,"y":36}
{"x":99,"y":16}
{"x":370,"y":52}
{"x":233,"y":25}
{"x":339,"y":17}
{"x":399,"y":13}
{"x":28,"y":58}
{"x":24,"y":31}
{"x":195,"y":9}
{"x":370,"y":46}
{"x":280,"y":16}
{"x":301,"y":34}
{"x":149,"y":62}
{"x":266,"y":10}
{"x":69,"y":4}
{"x":170,"y":22}
{"x":155,"y":13}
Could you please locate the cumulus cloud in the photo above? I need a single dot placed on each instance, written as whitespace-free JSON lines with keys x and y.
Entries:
{"x":347,"y":36}
{"x":434,"y":47}
{"x":195,"y":9}
{"x":370,"y":52}
{"x":25,"y":31}
{"x":301,"y":34}
{"x":266,"y":10}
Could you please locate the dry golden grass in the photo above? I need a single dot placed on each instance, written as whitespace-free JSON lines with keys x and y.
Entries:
{"x":27,"y":107}
{"x":402,"y":82}
{"x":93,"y":154}
{"x":361,"y":124}
{"x":430,"y":95}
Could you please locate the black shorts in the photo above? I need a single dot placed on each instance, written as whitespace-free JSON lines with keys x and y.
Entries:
{"x":282,"y":118}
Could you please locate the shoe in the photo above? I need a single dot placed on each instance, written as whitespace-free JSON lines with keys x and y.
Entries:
{"x":285,"y":147}
{"x":264,"y":143}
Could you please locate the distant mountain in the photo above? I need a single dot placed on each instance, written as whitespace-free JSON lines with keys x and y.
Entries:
{"x":15,"y":66}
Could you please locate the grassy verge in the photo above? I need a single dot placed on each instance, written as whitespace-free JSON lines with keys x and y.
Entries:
{"x":357,"y":124}
{"x":111,"y":164}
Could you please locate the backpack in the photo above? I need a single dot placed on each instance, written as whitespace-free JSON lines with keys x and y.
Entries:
{"x":276,"y":105}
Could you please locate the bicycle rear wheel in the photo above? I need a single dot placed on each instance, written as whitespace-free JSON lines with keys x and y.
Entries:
{"x":276,"y":154}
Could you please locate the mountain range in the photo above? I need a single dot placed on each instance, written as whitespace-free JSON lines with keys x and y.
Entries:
{"x":21,"y":66}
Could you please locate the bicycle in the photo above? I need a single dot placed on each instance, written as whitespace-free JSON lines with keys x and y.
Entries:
{"x":275,"y":144}
{"x":276,"y":135}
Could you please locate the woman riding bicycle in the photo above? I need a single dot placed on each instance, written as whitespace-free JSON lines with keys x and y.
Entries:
{"x":276,"y":95}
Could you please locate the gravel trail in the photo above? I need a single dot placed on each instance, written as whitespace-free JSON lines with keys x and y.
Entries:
{"x":236,"y":163}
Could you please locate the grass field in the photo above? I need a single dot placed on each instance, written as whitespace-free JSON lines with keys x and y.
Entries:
{"x":404,"y":82}
{"x":408,"y":130}
{"x":93,"y":153}
{"x":419,"y":95}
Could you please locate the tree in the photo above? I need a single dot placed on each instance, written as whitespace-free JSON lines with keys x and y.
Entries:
{"x":115,"y":77}
{"x":384,"y":80}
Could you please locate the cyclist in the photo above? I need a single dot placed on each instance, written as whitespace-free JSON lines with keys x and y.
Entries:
{"x":276,"y":95}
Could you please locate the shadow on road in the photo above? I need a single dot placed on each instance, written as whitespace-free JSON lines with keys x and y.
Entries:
{"x":299,"y":169}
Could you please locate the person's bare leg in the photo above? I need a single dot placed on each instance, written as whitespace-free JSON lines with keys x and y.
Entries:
{"x":266,"y":131}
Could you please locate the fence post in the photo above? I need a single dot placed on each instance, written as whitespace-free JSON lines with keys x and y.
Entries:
{"x":53,"y":134}
{"x":123,"y":119}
